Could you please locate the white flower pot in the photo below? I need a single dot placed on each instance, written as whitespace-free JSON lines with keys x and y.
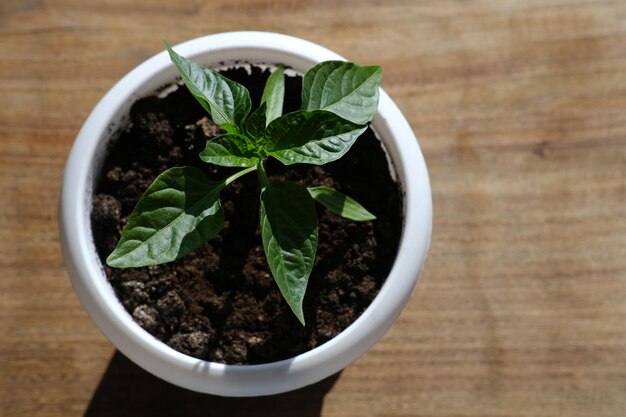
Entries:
{"x":90,"y":283}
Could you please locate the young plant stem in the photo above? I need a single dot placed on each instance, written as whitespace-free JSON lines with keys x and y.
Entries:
{"x":237,"y":175}
{"x":262,"y":174}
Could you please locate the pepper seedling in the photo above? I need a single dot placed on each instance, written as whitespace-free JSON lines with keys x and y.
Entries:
{"x":181,"y":210}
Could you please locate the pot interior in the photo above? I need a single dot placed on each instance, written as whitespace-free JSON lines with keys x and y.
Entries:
{"x":158,"y":135}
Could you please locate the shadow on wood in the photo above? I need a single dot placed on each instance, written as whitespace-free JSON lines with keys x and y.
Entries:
{"x":128,"y":390}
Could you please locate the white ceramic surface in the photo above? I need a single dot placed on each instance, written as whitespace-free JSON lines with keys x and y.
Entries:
{"x":85,"y":269}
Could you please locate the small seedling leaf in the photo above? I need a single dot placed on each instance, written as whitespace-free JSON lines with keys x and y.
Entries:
{"x":230,"y":150}
{"x":178,"y":213}
{"x":227,"y":102}
{"x":289,"y":233}
{"x":349,"y":90}
{"x":255,"y":125}
{"x":340,"y":204}
{"x":316,"y":137}
{"x":274,"y":94}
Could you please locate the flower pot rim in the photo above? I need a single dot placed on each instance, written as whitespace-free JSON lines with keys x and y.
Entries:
{"x":114,"y":321}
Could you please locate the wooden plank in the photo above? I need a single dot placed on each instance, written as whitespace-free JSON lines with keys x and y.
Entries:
{"x":520,"y":109}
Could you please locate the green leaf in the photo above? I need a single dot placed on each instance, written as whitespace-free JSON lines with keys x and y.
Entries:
{"x":274,"y":94}
{"x":340,"y":204}
{"x":289,"y":233}
{"x":255,"y":125}
{"x":230,"y":150}
{"x":346,"y":89}
{"x":178,"y":213}
{"x":227,"y":102}
{"x":315,"y":137}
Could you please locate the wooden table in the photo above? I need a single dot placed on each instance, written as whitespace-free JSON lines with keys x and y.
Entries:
{"x":520,"y":109}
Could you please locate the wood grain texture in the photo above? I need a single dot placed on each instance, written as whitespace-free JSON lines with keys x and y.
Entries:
{"x":520,"y":109}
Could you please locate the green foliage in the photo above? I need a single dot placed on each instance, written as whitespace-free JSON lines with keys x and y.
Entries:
{"x":316,"y":137}
{"x":274,"y":95}
{"x":230,"y":150}
{"x":181,"y":210}
{"x":346,"y":89}
{"x":340,"y":204}
{"x":289,"y":232}
{"x":256,"y":123}
{"x":227,"y":102}
{"x":178,"y":213}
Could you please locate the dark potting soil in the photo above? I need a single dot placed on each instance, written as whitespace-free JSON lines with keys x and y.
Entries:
{"x":220,"y":303}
